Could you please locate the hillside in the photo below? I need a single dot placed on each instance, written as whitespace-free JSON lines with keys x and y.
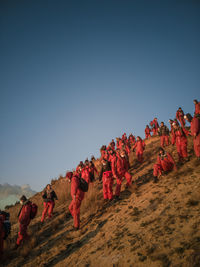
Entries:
{"x":153,"y":224}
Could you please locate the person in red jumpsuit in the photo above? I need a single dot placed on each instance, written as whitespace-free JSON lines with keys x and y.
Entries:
{"x":24,"y":220}
{"x":77,"y":197}
{"x":180,"y":117}
{"x":112,"y":144}
{"x":195,"y":132}
{"x":197,"y":107}
{"x":124,"y":137}
{"x":165,"y":162}
{"x":147,"y":132}
{"x":156,"y":125}
{"x":131,"y":139}
{"x":181,"y":142}
{"x":163,"y":132}
{"x":120,"y":166}
{"x":107,"y":177}
{"x":139,"y":146}
{"x":49,"y":197}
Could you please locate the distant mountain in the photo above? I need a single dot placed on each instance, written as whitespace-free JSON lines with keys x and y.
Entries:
{"x":9,"y":194}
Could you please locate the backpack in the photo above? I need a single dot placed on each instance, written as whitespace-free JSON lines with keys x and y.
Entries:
{"x":6,"y":223}
{"x":7,"y":228}
{"x":34,"y":209}
{"x":83,"y":185}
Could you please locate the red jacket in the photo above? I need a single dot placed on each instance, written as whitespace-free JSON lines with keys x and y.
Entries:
{"x":85,"y":174}
{"x":179,"y":137}
{"x":156,"y":123}
{"x":75,"y":191}
{"x":132,"y":140}
{"x":147,"y":130}
{"x":139,"y":146}
{"x":180,"y":115}
{"x":166,"y":162}
{"x":25,"y":212}
{"x":119,"y":166}
{"x":195,"y":126}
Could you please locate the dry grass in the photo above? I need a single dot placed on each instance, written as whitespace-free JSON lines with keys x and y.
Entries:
{"x":27,"y":247}
{"x":93,"y":200}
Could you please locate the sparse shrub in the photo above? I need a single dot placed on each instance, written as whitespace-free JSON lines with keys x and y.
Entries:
{"x":192,"y":202}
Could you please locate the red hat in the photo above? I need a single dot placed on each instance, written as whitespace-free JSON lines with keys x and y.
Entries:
{"x":69,"y":175}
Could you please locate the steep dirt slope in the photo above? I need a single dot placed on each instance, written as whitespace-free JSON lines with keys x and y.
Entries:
{"x":151,"y":225}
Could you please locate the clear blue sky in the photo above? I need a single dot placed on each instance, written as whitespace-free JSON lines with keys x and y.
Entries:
{"x":75,"y":74}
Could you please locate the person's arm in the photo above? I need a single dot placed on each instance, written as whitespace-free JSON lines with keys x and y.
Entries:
{"x":74,"y":188}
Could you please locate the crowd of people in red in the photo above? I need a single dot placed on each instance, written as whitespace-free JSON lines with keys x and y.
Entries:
{"x":115,"y":167}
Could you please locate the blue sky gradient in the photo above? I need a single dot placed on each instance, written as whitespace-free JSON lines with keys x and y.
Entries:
{"x":75,"y":74}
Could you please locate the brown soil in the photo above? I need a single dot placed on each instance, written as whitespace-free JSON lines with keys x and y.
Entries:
{"x":151,"y":225}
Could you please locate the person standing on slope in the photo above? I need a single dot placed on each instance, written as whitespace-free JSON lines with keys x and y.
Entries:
{"x":49,"y":197}
{"x":181,"y":141}
{"x":24,"y":219}
{"x":156,"y":125}
{"x":147,"y":132}
{"x":165,"y":162}
{"x":163,"y":132}
{"x":120,"y":166}
{"x":77,"y":197}
{"x":107,"y":177}
{"x":139,"y":146}
{"x":180,"y":117}
{"x":195,"y":132}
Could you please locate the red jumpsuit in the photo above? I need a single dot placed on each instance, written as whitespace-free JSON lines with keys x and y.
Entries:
{"x":164,"y":135}
{"x":77,"y":197}
{"x":164,"y":163}
{"x":120,"y":167}
{"x":107,"y":185}
{"x":85,"y":174}
{"x":139,"y":146}
{"x":180,"y":117}
{"x":195,"y":132}
{"x":24,"y":220}
{"x":132,"y":139}
{"x":124,"y":138}
{"x":147,"y":132}
{"x":181,"y":143}
{"x":156,"y":126}
{"x":2,"y":233}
